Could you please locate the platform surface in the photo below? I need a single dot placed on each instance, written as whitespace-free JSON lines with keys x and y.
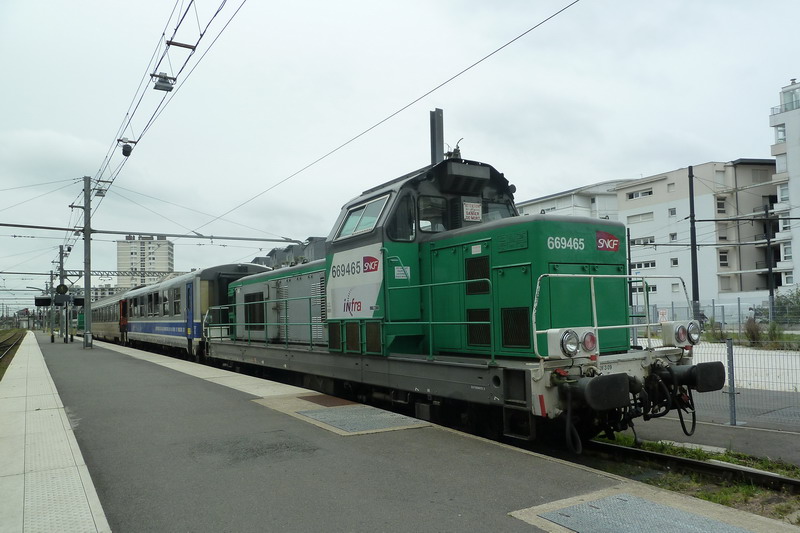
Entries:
{"x":169,"y":445}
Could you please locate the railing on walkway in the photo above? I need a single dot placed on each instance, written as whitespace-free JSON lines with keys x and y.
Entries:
{"x":220,"y":323}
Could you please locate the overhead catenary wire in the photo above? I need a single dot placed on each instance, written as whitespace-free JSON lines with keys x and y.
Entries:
{"x":153,"y":64}
{"x":392,"y":115}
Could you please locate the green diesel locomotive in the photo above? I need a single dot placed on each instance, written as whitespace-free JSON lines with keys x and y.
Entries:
{"x":436,"y":294}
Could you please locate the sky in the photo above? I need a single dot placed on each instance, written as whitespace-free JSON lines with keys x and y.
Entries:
{"x":604,"y":90}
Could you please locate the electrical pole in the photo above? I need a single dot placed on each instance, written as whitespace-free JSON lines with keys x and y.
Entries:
{"x":693,"y":244}
{"x":52,"y":310}
{"x":60,"y":283}
{"x":770,"y":281}
{"x":87,"y":262}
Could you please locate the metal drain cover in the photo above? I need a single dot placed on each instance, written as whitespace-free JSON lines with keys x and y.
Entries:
{"x":361,"y":418}
{"x":625,"y":513}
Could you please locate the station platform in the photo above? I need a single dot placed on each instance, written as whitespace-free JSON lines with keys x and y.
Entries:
{"x":111,"y":438}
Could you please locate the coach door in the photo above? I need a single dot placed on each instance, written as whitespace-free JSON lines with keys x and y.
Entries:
{"x":189,"y":310}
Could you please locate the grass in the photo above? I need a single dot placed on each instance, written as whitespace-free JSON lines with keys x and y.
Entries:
{"x":743,"y":496}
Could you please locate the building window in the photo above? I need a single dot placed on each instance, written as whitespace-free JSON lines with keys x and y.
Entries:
{"x":780,"y":133}
{"x":673,"y":211}
{"x":670,"y":187}
{"x":644,"y":264}
{"x":788,"y":278}
{"x":787,"y":252}
{"x":673,"y":261}
{"x":676,"y":287}
{"x":724,"y":283}
{"x":723,"y":258}
{"x":640,"y":288}
{"x":643,"y":240}
{"x":721,"y":205}
{"x":786,"y":224}
{"x":641,"y":217}
{"x":640,"y":194}
{"x":780,"y":163}
{"x":783,"y":192}
{"x":673,"y":237}
{"x":722,"y":232}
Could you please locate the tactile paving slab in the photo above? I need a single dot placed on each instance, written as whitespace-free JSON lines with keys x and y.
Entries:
{"x":55,"y":501}
{"x":625,"y":513}
{"x":359,"y":418}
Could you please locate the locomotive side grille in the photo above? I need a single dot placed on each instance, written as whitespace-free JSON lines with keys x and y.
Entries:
{"x":477,"y":268}
{"x":516,"y":327}
{"x":318,"y":309}
{"x":478,"y":334}
{"x":283,"y":309}
{"x":352,"y":337}
{"x":374,"y":343}
{"x":335,"y":336}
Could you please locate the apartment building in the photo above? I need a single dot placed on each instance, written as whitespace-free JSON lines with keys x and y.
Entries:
{"x":598,"y":201}
{"x":736,"y":242}
{"x":785,"y":121}
{"x":144,"y":254}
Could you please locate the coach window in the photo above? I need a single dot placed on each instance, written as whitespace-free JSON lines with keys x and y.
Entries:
{"x":402,"y":226}
{"x":156,"y":303}
{"x":432,"y":214}
{"x":176,"y":302}
{"x":164,"y":303}
{"x":362,"y":218}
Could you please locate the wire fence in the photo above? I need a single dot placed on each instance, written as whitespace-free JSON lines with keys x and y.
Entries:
{"x":762,"y":386}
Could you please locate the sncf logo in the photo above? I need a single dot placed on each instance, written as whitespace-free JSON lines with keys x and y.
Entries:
{"x":370,"y":264}
{"x":607,"y":242}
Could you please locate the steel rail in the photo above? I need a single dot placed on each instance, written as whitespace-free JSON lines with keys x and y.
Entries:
{"x":717,"y":469}
{"x":4,"y":343}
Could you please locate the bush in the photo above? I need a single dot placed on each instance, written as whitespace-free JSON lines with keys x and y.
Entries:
{"x":774,"y":332}
{"x":715,"y":332}
{"x":752,"y":330}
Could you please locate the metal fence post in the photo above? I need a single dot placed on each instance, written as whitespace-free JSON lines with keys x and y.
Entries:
{"x":739,"y":311}
{"x":731,"y":383}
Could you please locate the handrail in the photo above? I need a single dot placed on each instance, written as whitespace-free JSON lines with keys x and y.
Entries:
{"x":432,"y":323}
{"x":266,"y":323}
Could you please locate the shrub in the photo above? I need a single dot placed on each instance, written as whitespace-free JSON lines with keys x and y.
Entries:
{"x":774,"y":332}
{"x":752,"y":330}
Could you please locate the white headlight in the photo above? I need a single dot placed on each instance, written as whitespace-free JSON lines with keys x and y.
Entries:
{"x":693,"y":331}
{"x":569,"y":343}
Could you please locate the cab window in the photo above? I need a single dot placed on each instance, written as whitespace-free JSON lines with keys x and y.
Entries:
{"x":433,"y":214}
{"x":362,"y":218}
{"x":402,"y":226}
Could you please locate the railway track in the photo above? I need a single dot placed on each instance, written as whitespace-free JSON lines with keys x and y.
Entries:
{"x":9,"y":340}
{"x":713,"y":469}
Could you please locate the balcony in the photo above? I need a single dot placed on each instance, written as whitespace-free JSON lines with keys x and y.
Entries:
{"x":765,"y":264}
{"x":789,"y":106}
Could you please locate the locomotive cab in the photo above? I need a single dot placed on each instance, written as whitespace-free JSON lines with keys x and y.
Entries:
{"x":376,"y":276}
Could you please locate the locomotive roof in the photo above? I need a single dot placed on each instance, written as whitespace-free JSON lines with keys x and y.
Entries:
{"x":424,"y":173}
